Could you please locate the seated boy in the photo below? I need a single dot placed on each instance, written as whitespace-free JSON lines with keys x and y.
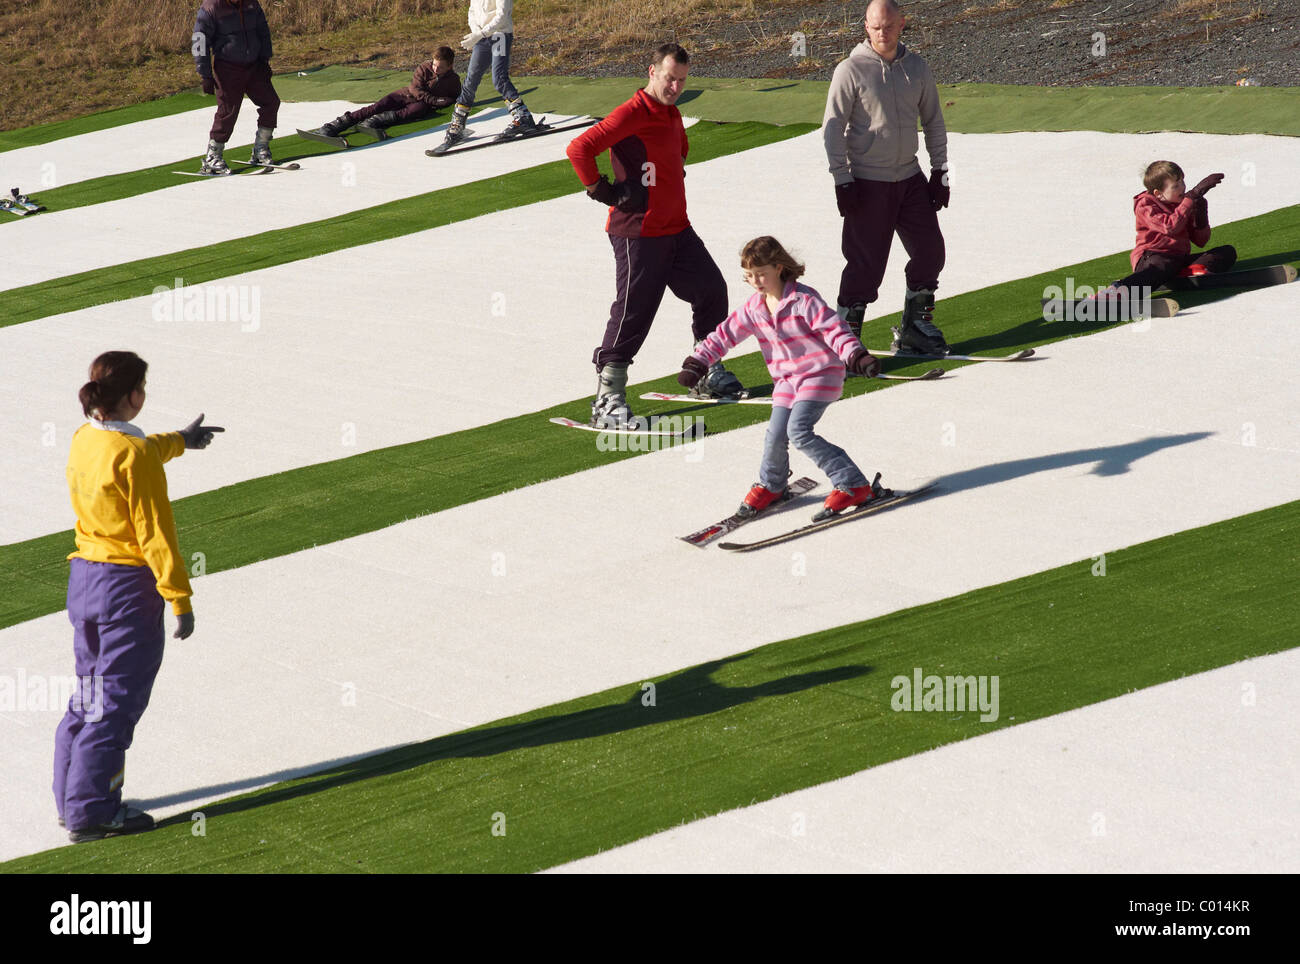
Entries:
{"x":1170,"y":219}
{"x":434,"y":85}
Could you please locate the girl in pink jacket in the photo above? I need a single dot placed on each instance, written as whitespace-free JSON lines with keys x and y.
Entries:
{"x":807,"y":347}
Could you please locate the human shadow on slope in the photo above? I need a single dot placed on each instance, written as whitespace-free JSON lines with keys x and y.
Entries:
{"x":1109,"y":459}
{"x":691,"y":693}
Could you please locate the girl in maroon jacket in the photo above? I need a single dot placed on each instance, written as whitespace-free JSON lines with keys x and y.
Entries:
{"x":1170,"y":219}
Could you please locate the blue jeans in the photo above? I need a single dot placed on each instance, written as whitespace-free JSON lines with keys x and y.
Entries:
{"x":494,"y":50}
{"x":796,"y":425}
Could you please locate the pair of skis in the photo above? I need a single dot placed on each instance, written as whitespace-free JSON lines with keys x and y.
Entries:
{"x":717,"y":530}
{"x":1122,"y":307}
{"x":472,"y":141}
{"x":338,"y":140}
{"x":19,"y":204}
{"x":249,"y":164}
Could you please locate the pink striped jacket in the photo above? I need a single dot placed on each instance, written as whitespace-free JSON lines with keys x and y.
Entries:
{"x":805,"y":346}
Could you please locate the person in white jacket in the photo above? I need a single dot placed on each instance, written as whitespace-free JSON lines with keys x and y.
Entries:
{"x":873,"y":103}
{"x":491,"y":35}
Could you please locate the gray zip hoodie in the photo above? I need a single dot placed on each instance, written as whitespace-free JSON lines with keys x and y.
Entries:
{"x":871,"y":113}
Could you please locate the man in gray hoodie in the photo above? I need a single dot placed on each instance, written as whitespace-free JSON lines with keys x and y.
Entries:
{"x":872,"y":106}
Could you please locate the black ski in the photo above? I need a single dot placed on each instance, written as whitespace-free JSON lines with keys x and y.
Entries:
{"x":870,"y":508}
{"x":473,"y":143}
{"x":1116,"y":308}
{"x":323,"y":138}
{"x":706,"y":535}
{"x":1274,"y":274}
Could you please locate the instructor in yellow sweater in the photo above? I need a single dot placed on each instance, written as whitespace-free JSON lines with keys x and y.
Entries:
{"x":127,"y":565}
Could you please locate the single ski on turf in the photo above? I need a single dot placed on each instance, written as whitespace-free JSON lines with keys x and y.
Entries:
{"x":870,"y":508}
{"x":643,"y":427}
{"x":1108,"y":309}
{"x":1274,"y":274}
{"x":892,"y":353}
{"x":726,"y":400}
{"x":473,"y":143}
{"x":335,"y":141}
{"x":719,"y":529}
{"x":291,"y":166}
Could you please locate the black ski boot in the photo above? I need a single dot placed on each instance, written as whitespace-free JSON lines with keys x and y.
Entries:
{"x":917,"y":333}
{"x":338,"y":125}
{"x":376,"y":125}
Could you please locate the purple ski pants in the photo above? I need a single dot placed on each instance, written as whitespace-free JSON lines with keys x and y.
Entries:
{"x":117,"y":620}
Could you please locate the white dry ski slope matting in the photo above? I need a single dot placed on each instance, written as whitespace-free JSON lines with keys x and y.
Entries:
{"x":201,"y":212}
{"x":466,"y":324}
{"x":486,"y":610}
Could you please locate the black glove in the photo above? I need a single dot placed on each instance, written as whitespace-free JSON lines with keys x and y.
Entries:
{"x":197,"y":435}
{"x":1200,"y":214}
{"x":209,"y":85}
{"x":1204,"y":185}
{"x":844,"y":198}
{"x":940,"y":192}
{"x":862,"y":362}
{"x":692,"y":371}
{"x":184,"y":626}
{"x":628,"y":196}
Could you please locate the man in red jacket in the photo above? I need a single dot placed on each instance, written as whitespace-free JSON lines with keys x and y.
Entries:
{"x":655,"y":247}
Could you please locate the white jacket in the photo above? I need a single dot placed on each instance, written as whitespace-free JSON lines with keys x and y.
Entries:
{"x":487,"y":17}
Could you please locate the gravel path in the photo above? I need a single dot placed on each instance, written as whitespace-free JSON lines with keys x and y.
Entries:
{"x":1045,"y":42}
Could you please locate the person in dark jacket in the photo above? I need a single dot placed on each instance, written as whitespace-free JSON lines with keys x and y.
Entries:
{"x":434,"y":85}
{"x":232,"y":53}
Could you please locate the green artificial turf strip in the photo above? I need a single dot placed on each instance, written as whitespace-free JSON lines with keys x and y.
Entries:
{"x":571,"y":780}
{"x":331,"y":501}
{"x":968,"y":109}
{"x":379,"y":223}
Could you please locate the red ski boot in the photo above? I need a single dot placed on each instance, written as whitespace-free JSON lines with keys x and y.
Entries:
{"x":758,"y":499}
{"x":842,"y":499}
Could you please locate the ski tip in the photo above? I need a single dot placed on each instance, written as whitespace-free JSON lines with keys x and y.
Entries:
{"x":1289,"y":273}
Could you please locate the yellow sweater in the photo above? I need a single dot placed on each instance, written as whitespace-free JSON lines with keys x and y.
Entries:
{"x":119,"y":493}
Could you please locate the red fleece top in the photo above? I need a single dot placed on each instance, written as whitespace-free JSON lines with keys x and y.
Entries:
{"x":1165,"y":228}
{"x":646,"y":140}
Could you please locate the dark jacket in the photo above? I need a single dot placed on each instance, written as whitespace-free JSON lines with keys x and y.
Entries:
{"x":433,"y":90}
{"x":237,"y":33}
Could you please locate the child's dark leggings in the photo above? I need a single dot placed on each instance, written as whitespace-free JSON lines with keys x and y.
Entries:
{"x":1157,"y":270}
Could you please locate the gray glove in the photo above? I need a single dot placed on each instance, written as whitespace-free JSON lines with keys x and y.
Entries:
{"x":197,"y":435}
{"x":184,"y":626}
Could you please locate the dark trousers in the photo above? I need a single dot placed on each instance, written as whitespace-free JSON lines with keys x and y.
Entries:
{"x":1155,"y":270}
{"x":643,"y":269}
{"x":408,"y":107}
{"x":878,"y":209}
{"x":233,"y":82}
